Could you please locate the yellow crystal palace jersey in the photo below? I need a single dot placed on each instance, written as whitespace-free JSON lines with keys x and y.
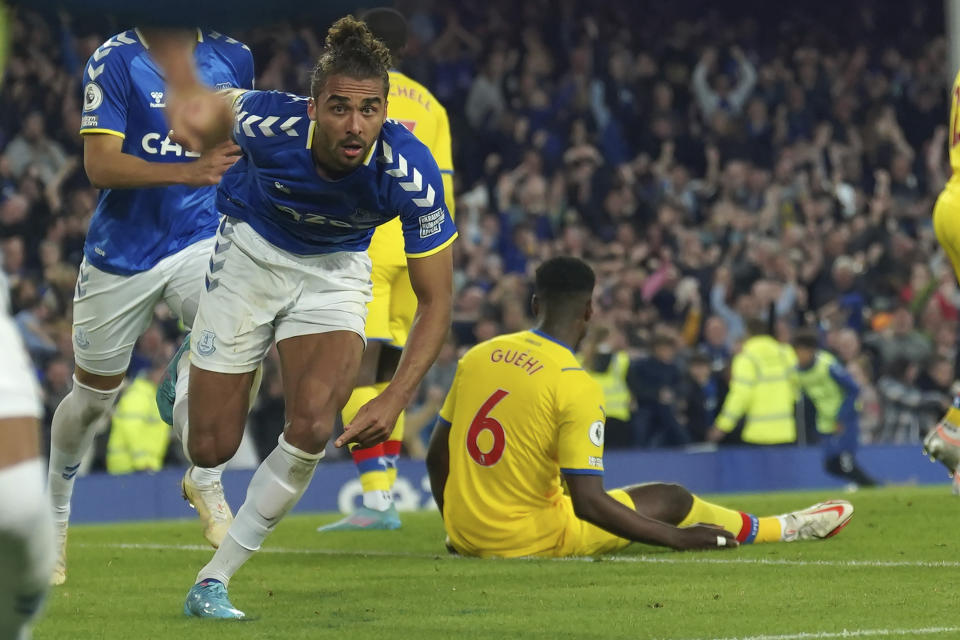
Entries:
{"x":946,"y":211}
{"x":410,"y":104}
{"x":521,"y":411}
{"x":954,"y":183}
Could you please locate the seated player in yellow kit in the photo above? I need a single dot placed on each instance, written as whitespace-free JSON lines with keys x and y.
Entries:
{"x":943,"y":441}
{"x":522,"y":415}
{"x":391,"y":313}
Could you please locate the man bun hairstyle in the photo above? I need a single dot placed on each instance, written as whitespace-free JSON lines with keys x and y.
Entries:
{"x":351,"y":50}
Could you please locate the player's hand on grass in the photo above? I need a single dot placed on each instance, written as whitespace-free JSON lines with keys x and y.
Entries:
{"x":704,"y":537}
{"x":374,"y":422}
{"x":212,"y":164}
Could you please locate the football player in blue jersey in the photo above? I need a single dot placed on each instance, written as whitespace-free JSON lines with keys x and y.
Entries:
{"x":290,"y":264}
{"x":149,"y":241}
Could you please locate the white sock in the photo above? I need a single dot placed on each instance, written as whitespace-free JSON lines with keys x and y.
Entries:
{"x":205,"y":478}
{"x":378,"y":500}
{"x":230,"y":556}
{"x":276,"y":487}
{"x":72,"y":431}
{"x":26,"y":545}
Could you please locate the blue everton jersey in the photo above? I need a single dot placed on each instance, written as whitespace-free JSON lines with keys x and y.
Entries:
{"x":275,"y":187}
{"x":123,"y":95}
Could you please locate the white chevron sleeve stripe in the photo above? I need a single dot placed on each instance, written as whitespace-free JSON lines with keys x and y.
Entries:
{"x":401,"y":170}
{"x":427,"y":200}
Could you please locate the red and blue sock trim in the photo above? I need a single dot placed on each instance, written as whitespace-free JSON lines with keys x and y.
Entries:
{"x":369,"y":459}
{"x":748,"y":531}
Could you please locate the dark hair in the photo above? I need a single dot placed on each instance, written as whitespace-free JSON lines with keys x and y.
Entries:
{"x":388,"y":26}
{"x":353,"y":51}
{"x":559,"y":277}
{"x":806,"y":339}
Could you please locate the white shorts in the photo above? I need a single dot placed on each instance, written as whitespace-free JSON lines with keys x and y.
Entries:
{"x":255,"y":293}
{"x":111,"y":311}
{"x":19,"y":392}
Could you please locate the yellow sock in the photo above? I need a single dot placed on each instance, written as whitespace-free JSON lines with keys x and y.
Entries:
{"x":746,"y":527}
{"x":392,"y":448}
{"x":359,"y":397}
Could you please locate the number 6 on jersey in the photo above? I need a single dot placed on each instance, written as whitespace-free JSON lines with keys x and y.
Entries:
{"x":483,"y":422}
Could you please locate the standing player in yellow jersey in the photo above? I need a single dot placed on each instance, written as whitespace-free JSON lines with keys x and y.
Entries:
{"x":943,"y":441}
{"x":390,"y":314}
{"x":522,"y":415}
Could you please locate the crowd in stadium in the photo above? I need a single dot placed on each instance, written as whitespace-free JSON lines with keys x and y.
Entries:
{"x":711,"y":172}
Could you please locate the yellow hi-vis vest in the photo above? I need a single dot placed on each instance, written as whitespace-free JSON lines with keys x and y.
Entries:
{"x":138,"y":436}
{"x":613,"y":381}
{"x":763,"y":390}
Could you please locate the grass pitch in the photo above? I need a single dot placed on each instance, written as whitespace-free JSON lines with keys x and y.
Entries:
{"x":891,"y":573}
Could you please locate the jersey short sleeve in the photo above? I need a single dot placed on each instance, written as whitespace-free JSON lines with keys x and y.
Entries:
{"x":580,"y":419}
{"x":105,"y":90}
{"x":262,"y":117}
{"x":247,"y":103}
{"x":427,"y":225}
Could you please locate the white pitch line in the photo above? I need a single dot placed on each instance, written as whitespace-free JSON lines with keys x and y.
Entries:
{"x":678,"y":559}
{"x":856,"y":633}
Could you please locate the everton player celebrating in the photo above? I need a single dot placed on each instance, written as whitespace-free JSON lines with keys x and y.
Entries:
{"x":316,"y":177}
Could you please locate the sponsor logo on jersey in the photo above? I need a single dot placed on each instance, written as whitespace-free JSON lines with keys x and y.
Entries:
{"x":92,"y":96}
{"x":89,"y":121}
{"x":596,"y":433}
{"x":596,"y":461}
{"x":281,"y":187}
{"x":158,"y":102}
{"x":430,"y":223}
{"x":220,"y":86}
{"x":359,"y":219}
{"x":206,"y":345}
{"x":157,"y":144}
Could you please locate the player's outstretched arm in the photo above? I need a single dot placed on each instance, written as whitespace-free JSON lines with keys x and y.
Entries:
{"x":593,"y":504}
{"x":432,"y":281}
{"x":108,"y":167}
{"x":438,"y":460}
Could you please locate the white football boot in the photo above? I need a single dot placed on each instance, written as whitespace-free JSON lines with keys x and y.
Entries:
{"x":821,"y":521}
{"x":211,"y":506}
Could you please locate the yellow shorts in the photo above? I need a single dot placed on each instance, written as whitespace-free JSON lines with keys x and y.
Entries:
{"x":580,"y":538}
{"x":555,"y":532}
{"x":946,"y":224}
{"x":390,"y":313}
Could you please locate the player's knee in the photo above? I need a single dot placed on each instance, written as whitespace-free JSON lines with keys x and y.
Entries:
{"x":311,"y":425}
{"x":208,"y":451}
{"x":87,"y":403}
{"x":675,"y":501}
